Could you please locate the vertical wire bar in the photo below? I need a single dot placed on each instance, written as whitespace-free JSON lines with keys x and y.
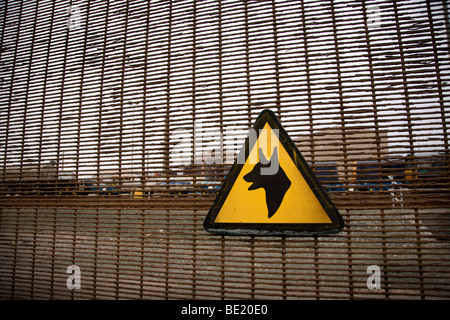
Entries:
{"x":222,"y":267}
{"x":96,"y":184}
{"x":10,"y":96}
{"x":142,"y":249}
{"x":252,"y":268}
{"x":344,"y":135}
{"x":283,"y":267}
{"x":220,"y":81}
{"x":58,"y":156}
{"x":373,"y":94}
{"x":419,"y":253}
{"x":409,"y":121}
{"x":54,"y":213}
{"x":166,"y":147}
{"x":74,"y":244}
{"x":377,"y":137}
{"x":167,"y":113}
{"x":61,"y":108}
{"x":2,"y":37}
{"x":249,"y":123}
{"x":121,"y":133}
{"x":122,"y":99}
{"x":15,"y":253}
{"x":278,"y":111}
{"x":276,"y":59}
{"x":384,"y":239}
{"x":95,"y":271}
{"x":144,"y":171}
{"x":35,"y":176}
{"x":194,"y":115}
{"x":167,"y":257}
{"x":194,"y":82}
{"x":194,"y":254}
{"x":117,"y":255}
{"x":316,"y":267}
{"x":311,"y":129}
{"x":81,"y":99}
{"x":308,"y":85}
{"x":247,"y":64}
{"x":78,"y":145}
{"x":44,"y":96}
{"x":222,"y":238}
{"x":406,"y":95}
{"x":34,"y":253}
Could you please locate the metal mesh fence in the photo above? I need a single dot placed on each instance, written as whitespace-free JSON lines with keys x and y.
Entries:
{"x":121,"y":119}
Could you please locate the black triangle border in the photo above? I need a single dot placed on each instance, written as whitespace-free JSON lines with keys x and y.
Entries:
{"x":270,"y":229}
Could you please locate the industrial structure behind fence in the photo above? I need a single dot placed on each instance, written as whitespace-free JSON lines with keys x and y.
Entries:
{"x":121,"y":119}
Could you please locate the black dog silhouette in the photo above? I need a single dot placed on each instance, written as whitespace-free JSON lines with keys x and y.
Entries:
{"x":276,"y":185}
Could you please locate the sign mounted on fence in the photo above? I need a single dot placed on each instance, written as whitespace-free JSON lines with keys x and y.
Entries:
{"x":270,"y":190}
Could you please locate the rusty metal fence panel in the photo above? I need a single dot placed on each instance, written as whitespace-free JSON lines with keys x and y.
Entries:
{"x":121,"y":119}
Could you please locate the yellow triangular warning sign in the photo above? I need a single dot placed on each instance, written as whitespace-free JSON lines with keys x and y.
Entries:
{"x":271,"y":190}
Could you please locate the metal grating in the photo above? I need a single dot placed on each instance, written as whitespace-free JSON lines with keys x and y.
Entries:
{"x":120,"y":119}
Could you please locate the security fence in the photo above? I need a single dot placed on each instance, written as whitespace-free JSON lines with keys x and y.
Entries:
{"x":121,"y":120}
